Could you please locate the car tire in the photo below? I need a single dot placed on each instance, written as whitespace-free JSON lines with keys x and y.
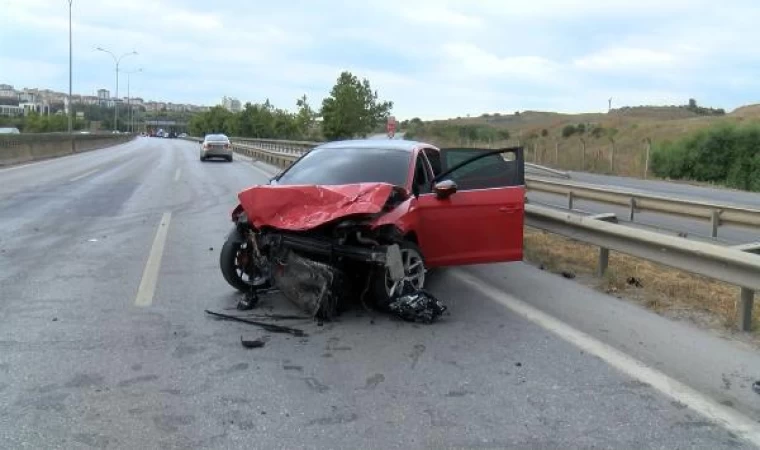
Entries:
{"x":203,"y":159}
{"x":380,"y":292}
{"x":229,"y":159}
{"x":228,"y":264}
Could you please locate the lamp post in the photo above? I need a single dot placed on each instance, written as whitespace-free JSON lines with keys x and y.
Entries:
{"x":129,"y":100}
{"x":116,"y":101}
{"x":71,"y":107}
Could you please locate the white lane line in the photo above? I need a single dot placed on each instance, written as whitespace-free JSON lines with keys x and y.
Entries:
{"x":729,"y":418}
{"x":150,"y":274}
{"x":177,"y":174}
{"x":86,"y":174}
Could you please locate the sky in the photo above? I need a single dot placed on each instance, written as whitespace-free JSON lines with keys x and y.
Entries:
{"x":432,"y":58}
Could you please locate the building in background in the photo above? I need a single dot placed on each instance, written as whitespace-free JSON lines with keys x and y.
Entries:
{"x":231,"y":104}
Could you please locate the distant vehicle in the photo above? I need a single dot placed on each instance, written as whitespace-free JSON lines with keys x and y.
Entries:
{"x":84,"y":132}
{"x":183,"y":135}
{"x":216,"y":145}
{"x":9,"y":130}
{"x":172,"y":135}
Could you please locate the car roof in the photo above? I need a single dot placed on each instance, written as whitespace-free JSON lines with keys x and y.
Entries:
{"x":384,"y":144}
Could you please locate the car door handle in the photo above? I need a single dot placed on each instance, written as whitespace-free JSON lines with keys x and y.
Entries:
{"x":507,"y":209}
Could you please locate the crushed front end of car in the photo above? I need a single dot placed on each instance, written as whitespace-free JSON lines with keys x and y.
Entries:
{"x":317,"y":245}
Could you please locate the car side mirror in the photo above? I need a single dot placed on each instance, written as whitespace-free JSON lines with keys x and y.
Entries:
{"x":444,"y":189}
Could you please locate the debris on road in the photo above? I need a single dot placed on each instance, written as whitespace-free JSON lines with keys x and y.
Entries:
{"x":211,"y":249}
{"x":417,"y":306}
{"x":248,"y":301}
{"x":267,"y":326}
{"x":568,"y":275}
{"x":55,"y":319}
{"x":756,"y":387}
{"x":252,"y":343}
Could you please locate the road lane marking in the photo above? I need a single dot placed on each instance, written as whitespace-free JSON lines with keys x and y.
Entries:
{"x":177,"y":174}
{"x":727,"y":417}
{"x":150,"y":274}
{"x":86,"y":174}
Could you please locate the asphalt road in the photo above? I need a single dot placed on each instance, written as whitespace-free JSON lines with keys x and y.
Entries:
{"x":81,"y":366}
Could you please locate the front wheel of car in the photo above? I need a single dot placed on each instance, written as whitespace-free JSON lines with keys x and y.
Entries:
{"x":384,"y":289}
{"x":235,"y":264}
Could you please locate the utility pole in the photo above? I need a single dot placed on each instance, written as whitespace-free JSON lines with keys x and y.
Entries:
{"x":71,"y":106}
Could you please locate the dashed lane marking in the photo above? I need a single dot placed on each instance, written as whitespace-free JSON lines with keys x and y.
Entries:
{"x":150,"y":274}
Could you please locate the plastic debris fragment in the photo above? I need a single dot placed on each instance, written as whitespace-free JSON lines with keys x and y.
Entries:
{"x":417,"y":305}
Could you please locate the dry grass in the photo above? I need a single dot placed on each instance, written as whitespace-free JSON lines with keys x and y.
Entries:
{"x":667,"y":291}
{"x":633,"y":128}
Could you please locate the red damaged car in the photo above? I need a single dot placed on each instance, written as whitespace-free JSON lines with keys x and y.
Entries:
{"x":361,"y":218}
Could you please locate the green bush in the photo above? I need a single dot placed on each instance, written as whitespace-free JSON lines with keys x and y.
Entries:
{"x":568,"y":131}
{"x":724,"y":154}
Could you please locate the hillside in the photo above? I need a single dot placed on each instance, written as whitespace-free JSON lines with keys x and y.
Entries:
{"x":554,"y":139}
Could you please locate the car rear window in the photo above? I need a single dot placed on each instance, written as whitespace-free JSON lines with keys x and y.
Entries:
{"x":332,"y":166}
{"x":216,"y":137}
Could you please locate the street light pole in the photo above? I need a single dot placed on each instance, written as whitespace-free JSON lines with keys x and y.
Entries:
{"x":71,"y":106}
{"x":116,"y":104}
{"x":129,"y":99}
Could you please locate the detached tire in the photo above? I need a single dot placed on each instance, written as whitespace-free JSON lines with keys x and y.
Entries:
{"x":414,"y":272}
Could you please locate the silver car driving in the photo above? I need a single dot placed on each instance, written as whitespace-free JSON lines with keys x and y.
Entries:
{"x":216,"y":145}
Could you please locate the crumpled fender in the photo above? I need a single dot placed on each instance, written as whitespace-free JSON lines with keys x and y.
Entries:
{"x":402,"y":216}
{"x":303,"y":207}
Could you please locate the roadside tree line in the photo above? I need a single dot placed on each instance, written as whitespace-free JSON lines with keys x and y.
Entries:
{"x":351,"y":110}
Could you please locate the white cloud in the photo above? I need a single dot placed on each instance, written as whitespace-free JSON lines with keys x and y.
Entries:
{"x":622,"y":58}
{"x":470,"y":60}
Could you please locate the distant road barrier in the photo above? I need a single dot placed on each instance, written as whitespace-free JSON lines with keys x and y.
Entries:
{"x":21,"y":148}
{"x":738,"y":265}
{"x":716,"y":213}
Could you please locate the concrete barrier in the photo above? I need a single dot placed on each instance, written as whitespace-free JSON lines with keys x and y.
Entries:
{"x":22,"y":148}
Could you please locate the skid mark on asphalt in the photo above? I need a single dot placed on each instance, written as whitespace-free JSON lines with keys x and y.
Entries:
{"x":730,"y":419}
{"x":150,"y":274}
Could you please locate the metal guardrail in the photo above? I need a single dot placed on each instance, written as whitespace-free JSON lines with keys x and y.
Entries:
{"x":715,"y":213}
{"x":734,"y":265}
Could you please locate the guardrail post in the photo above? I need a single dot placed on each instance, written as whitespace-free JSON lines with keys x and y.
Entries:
{"x":714,"y":222}
{"x":746,"y":302}
{"x":604,"y":260}
{"x":633,"y":208}
{"x":570,"y":200}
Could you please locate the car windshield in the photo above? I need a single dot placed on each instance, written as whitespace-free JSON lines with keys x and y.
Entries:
{"x":332,"y":166}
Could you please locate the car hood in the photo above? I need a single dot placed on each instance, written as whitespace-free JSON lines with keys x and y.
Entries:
{"x":303,"y":207}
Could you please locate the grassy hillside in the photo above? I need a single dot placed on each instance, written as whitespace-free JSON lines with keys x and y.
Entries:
{"x":623,"y":133}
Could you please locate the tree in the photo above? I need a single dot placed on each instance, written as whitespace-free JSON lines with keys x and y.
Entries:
{"x":352,"y":109}
{"x":305,"y":118}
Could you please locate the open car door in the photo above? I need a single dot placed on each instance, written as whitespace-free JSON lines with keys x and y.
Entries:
{"x":474,"y":210}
